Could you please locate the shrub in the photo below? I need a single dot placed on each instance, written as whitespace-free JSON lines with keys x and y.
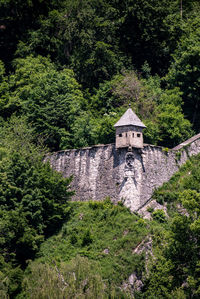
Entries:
{"x":159,"y":216}
{"x":77,"y":279}
{"x":87,"y":238}
{"x":150,"y":209}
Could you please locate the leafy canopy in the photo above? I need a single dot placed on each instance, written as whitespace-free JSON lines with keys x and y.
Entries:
{"x":50,"y":99}
{"x":31,"y":193}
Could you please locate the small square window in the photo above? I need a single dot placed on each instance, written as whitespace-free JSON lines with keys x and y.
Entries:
{"x":138,"y":134}
{"x":120,"y":135}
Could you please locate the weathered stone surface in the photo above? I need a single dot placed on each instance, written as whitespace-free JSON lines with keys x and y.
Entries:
{"x":129,"y":136}
{"x":102,"y":171}
{"x":133,"y":284}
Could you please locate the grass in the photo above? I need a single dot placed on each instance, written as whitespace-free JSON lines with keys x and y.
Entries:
{"x":102,"y":232}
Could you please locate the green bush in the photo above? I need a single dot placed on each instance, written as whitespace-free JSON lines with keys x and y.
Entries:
{"x":150,"y":209}
{"x":33,"y":200}
{"x":73,"y":239}
{"x":87,"y":238}
{"x":162,"y":196}
{"x":107,"y":235}
{"x":77,"y":279}
{"x":159,"y":216}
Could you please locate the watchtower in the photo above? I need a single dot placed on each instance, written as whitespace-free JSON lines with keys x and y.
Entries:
{"x":129,"y":131}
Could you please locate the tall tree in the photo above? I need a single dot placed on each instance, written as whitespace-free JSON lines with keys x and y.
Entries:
{"x":49,"y":98}
{"x":184,"y":71}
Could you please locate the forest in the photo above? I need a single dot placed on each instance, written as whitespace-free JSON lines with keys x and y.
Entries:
{"x":68,"y":71}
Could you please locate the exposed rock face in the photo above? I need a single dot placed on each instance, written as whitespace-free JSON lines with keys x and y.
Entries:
{"x":133,"y":284}
{"x":103,"y":170}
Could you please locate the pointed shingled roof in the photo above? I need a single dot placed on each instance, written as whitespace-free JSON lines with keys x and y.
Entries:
{"x":129,"y":118}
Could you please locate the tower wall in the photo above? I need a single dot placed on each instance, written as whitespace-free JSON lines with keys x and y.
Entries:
{"x":129,"y":136}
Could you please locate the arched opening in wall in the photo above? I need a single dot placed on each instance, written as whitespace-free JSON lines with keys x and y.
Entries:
{"x":120,"y":135}
{"x":138,"y":135}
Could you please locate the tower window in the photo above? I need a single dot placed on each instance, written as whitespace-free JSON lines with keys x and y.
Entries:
{"x":120,"y":135}
{"x":133,"y":134}
{"x":126,"y":134}
{"x":138,"y":135}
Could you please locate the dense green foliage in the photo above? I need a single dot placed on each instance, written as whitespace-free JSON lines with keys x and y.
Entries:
{"x":77,"y":279}
{"x":175,"y":271}
{"x":184,"y":71}
{"x":68,"y":70}
{"x":63,"y":117}
{"x":33,"y":199}
{"x":117,"y":51}
{"x":106,"y":235}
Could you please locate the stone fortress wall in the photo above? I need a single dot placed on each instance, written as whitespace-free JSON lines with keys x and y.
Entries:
{"x":131,"y":176}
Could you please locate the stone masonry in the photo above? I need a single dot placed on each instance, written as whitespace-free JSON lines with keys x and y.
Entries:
{"x":104,"y":171}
